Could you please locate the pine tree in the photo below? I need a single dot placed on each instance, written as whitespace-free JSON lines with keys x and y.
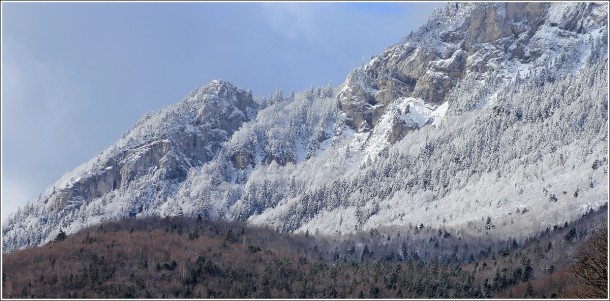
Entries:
{"x":277,"y":97}
{"x":61,"y":236}
{"x":328,"y":91}
{"x":361,"y":295}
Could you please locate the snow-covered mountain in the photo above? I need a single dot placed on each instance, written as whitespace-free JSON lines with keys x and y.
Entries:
{"x":491,"y":118}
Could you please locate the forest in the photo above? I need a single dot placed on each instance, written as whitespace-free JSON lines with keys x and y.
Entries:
{"x":195,"y":257}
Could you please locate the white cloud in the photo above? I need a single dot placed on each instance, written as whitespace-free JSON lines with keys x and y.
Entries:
{"x":293,"y":20}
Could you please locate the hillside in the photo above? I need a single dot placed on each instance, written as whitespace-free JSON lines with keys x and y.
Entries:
{"x":181,"y":257}
{"x":490,"y":120}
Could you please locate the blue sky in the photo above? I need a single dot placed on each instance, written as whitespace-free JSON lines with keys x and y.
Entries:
{"x":76,"y":76}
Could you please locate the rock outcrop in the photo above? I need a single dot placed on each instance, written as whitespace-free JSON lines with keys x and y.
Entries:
{"x":143,"y":168}
{"x":430,"y":62}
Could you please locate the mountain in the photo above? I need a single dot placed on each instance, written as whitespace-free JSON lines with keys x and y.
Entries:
{"x":492,"y":118}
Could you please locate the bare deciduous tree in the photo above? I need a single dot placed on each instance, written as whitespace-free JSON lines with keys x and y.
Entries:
{"x":591,"y":267}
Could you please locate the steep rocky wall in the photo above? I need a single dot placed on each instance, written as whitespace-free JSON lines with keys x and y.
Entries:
{"x":428,"y":67}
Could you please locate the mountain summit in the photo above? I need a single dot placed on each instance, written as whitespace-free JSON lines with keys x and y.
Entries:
{"x":492,"y":118}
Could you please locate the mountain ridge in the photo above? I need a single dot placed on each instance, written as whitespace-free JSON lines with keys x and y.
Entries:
{"x":433,"y":118}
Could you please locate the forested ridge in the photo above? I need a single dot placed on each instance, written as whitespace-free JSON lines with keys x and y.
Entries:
{"x":182,"y":257}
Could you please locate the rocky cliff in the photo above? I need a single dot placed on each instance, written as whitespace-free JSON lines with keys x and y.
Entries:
{"x":461,"y":39}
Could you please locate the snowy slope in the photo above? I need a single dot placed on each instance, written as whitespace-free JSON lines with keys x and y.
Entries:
{"x":493,"y":110}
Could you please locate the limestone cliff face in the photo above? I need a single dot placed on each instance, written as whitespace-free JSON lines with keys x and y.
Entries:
{"x":494,"y":22}
{"x":164,"y":148}
{"x":458,"y":39}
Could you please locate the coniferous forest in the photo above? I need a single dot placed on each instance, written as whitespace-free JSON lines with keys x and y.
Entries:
{"x":182,"y":257}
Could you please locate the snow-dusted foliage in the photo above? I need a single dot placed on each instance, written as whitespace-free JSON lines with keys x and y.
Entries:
{"x":492,"y":118}
{"x":536,"y":158}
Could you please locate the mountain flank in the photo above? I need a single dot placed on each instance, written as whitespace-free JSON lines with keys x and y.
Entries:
{"x":490,"y":120}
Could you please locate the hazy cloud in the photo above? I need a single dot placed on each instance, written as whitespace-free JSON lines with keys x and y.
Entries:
{"x":293,"y":20}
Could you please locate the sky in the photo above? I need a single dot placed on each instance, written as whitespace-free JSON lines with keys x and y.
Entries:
{"x":76,"y":76}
